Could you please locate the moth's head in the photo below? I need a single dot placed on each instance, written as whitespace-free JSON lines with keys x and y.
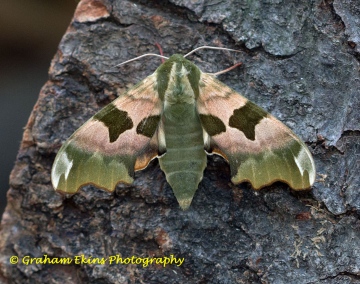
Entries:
{"x":178,"y":61}
{"x":177,"y":58}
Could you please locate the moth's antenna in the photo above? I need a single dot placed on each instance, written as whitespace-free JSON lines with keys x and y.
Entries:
{"x":141,"y":56}
{"x":210,"y":47}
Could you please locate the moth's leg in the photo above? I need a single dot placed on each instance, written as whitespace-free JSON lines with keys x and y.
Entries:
{"x":226,"y":70}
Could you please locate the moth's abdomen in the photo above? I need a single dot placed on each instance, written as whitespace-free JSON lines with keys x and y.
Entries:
{"x":185,"y":158}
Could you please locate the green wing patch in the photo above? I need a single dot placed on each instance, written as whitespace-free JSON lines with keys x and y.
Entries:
{"x":148,"y":126}
{"x":212,"y":124}
{"x":116,"y":120}
{"x":246,"y":118}
{"x":74,"y":168}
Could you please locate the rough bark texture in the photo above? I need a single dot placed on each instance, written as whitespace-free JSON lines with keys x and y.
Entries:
{"x":300,"y":62}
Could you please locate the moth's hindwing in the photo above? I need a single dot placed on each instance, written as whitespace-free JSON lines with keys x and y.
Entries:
{"x":259,"y":148}
{"x":114,"y":143}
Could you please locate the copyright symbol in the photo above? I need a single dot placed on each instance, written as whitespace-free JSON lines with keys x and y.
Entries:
{"x":14,"y":259}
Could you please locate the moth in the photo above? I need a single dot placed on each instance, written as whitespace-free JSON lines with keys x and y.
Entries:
{"x":180,"y":115}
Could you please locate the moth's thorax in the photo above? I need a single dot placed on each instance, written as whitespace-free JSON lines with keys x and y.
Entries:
{"x":179,"y":88}
{"x":178,"y":81}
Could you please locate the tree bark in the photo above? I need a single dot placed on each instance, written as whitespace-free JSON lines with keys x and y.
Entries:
{"x":300,"y":62}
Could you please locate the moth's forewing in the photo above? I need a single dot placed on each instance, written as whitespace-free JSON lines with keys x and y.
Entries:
{"x":260,"y":149}
{"x":113,"y":143}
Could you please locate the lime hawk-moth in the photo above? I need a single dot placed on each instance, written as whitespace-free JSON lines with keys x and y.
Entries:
{"x":180,"y":114}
